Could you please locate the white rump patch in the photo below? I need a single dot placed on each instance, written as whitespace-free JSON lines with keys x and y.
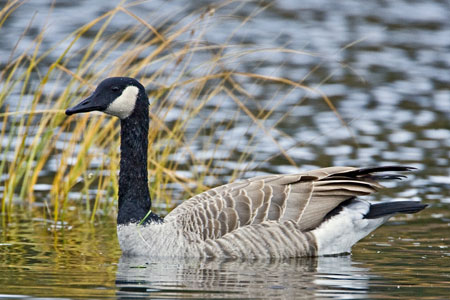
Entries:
{"x":339,"y":233}
{"x":123,"y":105}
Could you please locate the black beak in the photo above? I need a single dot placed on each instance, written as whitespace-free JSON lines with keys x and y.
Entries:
{"x":84,"y":106}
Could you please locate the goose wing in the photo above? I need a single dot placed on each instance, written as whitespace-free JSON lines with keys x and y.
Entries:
{"x":302,"y":200}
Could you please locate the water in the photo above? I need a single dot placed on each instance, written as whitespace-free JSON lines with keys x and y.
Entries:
{"x":83,"y":261}
{"x":392,"y":87}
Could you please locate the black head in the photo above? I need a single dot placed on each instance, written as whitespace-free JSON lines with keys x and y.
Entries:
{"x":116,"y":96}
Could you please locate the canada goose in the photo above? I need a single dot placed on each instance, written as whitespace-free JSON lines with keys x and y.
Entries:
{"x":306,"y":214}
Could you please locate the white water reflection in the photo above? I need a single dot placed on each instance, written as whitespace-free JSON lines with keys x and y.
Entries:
{"x":324,"y":277}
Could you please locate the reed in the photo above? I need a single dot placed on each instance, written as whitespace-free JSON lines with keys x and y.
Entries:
{"x":76,"y":158}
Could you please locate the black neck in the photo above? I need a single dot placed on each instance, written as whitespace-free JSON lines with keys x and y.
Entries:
{"x":134,"y":196}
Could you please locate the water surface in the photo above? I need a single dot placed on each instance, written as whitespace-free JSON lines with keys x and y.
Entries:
{"x":391,"y":87}
{"x":84,"y":261}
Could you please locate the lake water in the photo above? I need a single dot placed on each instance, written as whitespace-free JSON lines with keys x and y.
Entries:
{"x":407,"y":259}
{"x":385,"y":65}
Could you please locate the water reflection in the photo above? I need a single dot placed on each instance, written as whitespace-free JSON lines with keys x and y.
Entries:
{"x":406,"y":258}
{"x":334,"y":277}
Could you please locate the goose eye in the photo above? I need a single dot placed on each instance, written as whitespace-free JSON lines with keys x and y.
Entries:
{"x":115,"y":89}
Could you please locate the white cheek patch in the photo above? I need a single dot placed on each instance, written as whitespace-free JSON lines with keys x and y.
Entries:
{"x":123,"y":105}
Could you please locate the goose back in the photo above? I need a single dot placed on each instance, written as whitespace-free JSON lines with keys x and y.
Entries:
{"x":303,"y":199}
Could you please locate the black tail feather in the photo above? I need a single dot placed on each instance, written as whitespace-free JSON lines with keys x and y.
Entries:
{"x":364,"y":173}
{"x":368,"y":171}
{"x":388,"y":208}
{"x":388,"y":177}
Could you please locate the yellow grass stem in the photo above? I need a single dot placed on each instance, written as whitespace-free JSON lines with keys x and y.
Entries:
{"x":40,"y":139}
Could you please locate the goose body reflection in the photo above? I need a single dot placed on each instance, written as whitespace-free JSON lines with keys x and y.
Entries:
{"x":294,"y":278}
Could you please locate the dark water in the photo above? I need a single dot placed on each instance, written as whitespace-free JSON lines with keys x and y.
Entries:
{"x":393,"y":89}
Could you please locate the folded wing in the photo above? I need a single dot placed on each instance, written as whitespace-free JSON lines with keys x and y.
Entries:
{"x":302,"y":200}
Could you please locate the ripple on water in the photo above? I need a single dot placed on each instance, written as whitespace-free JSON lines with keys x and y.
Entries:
{"x":391,"y":87}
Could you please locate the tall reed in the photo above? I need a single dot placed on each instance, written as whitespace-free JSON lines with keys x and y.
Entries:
{"x":76,"y":158}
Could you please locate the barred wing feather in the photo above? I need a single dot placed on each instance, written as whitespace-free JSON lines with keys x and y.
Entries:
{"x":302,"y":199}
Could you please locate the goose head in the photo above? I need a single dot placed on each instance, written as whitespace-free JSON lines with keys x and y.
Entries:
{"x":126,"y":99}
{"x":116,"y":96}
